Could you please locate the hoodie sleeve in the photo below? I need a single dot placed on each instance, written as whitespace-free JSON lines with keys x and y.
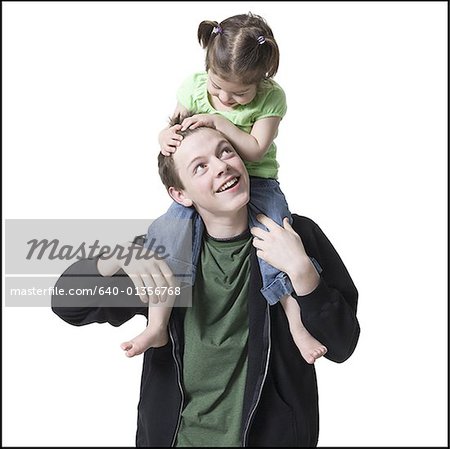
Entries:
{"x":83,"y":296}
{"x":328,"y":312}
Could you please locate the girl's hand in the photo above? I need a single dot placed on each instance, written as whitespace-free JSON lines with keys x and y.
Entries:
{"x":209,"y":120}
{"x":170,"y":140}
{"x":281,"y":247}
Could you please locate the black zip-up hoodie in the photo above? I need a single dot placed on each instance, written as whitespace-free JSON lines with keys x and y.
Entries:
{"x":281,"y":402}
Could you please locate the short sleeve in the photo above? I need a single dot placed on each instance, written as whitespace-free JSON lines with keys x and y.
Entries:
{"x":273,"y":104}
{"x":185,"y":93}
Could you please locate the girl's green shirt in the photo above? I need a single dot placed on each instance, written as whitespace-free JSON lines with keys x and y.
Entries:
{"x":270,"y":101}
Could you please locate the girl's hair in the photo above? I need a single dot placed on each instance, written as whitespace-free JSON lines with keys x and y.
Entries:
{"x":240,"y":48}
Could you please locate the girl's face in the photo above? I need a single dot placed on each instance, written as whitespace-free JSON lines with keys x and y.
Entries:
{"x":230,"y":93}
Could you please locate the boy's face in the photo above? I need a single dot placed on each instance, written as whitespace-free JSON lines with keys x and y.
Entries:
{"x":229,"y":93}
{"x":215,"y":179}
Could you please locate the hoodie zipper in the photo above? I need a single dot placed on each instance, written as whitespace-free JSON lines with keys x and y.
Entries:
{"x":172,"y":337}
{"x":266,"y":369}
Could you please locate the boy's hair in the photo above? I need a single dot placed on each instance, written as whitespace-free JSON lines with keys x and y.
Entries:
{"x":240,"y":48}
{"x":166,"y":164}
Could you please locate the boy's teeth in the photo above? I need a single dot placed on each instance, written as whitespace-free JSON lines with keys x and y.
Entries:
{"x":228,"y":184}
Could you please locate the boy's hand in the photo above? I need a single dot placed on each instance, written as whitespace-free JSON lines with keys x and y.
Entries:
{"x":151,"y":276}
{"x":170,"y":140}
{"x":208,"y":120}
{"x":281,"y":247}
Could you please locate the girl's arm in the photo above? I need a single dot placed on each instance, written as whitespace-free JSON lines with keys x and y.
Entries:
{"x":180,"y":109}
{"x":251,"y":147}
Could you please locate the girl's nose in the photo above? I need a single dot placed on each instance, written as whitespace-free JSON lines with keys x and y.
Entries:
{"x":224,"y":97}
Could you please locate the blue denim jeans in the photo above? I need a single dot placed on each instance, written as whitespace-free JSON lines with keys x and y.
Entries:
{"x":180,"y":231}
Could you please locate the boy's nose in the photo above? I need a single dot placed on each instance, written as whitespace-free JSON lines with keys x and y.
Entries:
{"x":220,"y":167}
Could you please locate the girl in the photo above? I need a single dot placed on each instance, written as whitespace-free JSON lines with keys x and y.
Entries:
{"x":237,"y":96}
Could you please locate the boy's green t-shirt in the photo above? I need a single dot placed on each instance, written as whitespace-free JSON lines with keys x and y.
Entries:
{"x":270,"y":101}
{"x":215,"y":350}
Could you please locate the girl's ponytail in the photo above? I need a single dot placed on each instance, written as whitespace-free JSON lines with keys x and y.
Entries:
{"x":207,"y":30}
{"x":272,"y":56}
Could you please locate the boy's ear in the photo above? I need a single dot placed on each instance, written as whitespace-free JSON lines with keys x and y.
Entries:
{"x":180,"y":197}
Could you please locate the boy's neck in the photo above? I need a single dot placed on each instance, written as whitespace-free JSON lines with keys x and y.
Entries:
{"x":226,"y":226}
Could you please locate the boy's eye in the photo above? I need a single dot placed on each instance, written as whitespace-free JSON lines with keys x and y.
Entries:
{"x":226,"y":151}
{"x":198,"y":168}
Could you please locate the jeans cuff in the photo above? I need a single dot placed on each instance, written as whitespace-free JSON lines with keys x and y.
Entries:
{"x":280,"y":287}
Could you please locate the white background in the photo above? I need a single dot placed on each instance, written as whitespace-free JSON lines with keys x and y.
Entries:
{"x":363,"y":152}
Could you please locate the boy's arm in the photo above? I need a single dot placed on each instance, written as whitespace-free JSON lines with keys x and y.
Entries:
{"x":105,"y":289}
{"x":329,"y":311}
{"x":251,"y":147}
{"x":85,"y":299}
{"x":328,"y":301}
